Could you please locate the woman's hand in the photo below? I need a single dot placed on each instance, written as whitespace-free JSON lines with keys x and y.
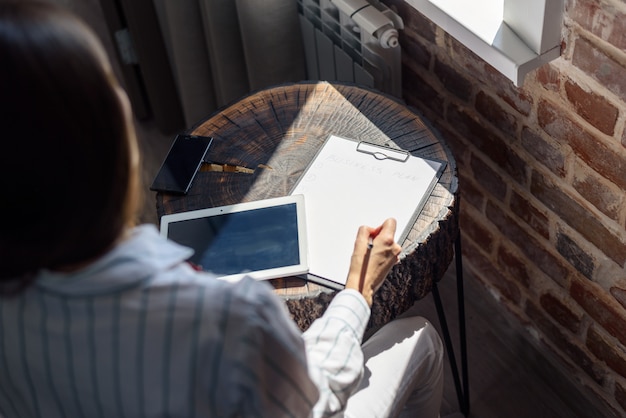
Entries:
{"x":369,"y":266}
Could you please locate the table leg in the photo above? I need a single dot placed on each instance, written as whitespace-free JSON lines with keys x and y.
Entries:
{"x":462,"y":387}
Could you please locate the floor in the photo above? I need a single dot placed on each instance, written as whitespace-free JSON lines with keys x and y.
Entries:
{"x":508,"y":375}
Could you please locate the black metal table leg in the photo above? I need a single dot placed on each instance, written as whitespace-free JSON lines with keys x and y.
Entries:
{"x":461,"y":383}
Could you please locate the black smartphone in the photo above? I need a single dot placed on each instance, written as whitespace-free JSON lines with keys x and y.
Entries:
{"x":181,"y":164}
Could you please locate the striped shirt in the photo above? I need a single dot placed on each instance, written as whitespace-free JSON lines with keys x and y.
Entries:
{"x":139,"y":333}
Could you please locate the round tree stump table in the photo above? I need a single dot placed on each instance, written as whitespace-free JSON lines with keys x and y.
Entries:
{"x":264,"y":142}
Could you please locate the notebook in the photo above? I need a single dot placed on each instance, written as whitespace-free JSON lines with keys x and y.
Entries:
{"x":351,"y":183}
{"x":263,"y":239}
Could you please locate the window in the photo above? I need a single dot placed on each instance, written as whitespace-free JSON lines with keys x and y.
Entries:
{"x":514,"y":36}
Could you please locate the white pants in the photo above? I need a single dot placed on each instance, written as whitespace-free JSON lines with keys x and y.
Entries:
{"x":403,"y":372}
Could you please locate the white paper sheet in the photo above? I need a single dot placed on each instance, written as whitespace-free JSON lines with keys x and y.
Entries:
{"x":344,"y":189}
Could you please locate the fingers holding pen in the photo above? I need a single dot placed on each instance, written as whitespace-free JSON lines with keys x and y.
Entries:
{"x":375,"y":252}
{"x":384,"y":235}
{"x":365,"y":237}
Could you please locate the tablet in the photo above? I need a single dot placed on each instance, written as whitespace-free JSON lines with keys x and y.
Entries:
{"x":263,"y":239}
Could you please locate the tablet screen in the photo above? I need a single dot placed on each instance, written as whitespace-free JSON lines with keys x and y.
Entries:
{"x":235,"y":242}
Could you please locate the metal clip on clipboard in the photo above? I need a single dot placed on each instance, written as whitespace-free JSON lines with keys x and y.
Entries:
{"x":381,"y":152}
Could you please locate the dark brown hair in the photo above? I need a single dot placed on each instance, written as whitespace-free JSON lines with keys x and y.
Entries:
{"x":67,"y":148}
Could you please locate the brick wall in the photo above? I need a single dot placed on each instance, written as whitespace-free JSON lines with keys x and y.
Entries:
{"x":542,"y":173}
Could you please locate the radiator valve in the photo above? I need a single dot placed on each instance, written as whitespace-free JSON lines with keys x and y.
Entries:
{"x":371,"y":20}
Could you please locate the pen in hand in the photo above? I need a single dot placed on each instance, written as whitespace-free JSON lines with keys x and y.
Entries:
{"x":369,"y":268}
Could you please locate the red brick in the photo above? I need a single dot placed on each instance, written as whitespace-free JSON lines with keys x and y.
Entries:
{"x":514,"y":266}
{"x":619,"y":294}
{"x":457,"y":143}
{"x":496,"y":114}
{"x":483,"y":268}
{"x":488,"y":178}
{"x":530,"y":246}
{"x":603,"y":20}
{"x":419,"y":93}
{"x":544,"y":151}
{"x":482,"y":138}
{"x":611,"y":353}
{"x":569,"y":349}
{"x":469,"y":193}
{"x":591,"y":150}
{"x":475,"y":66}
{"x":452,"y":80}
{"x":575,"y":255}
{"x":600,"y":66}
{"x":516,"y":98}
{"x":598,"y":156}
{"x":414,"y":51}
{"x":530,"y":214}
{"x":474,"y":229}
{"x":595,"y":109}
{"x":477,"y":134}
{"x":549,"y":77}
{"x":597,"y":304}
{"x":620,"y":395}
{"x":578,"y":217}
{"x":596,"y":191}
{"x":560,"y":312}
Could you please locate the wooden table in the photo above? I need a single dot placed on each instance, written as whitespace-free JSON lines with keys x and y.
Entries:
{"x":273,"y":134}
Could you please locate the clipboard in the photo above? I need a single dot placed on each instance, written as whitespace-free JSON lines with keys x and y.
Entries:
{"x":352,"y":183}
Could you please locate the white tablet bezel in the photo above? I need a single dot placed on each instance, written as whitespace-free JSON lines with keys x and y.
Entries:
{"x":272,"y":273}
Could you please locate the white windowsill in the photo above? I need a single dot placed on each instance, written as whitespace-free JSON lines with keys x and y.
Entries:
{"x":488,"y":37}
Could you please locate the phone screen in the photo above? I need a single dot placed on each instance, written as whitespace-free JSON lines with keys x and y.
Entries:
{"x":181,"y":164}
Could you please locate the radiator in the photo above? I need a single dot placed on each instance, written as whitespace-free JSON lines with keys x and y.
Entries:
{"x":353,"y":41}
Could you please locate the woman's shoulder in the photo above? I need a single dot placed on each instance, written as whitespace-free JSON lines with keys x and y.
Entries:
{"x":186,"y":282}
{"x":174,"y":278}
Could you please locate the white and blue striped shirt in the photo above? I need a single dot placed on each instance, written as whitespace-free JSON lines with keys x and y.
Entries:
{"x":139,"y":333}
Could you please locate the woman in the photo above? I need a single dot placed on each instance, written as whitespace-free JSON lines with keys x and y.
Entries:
{"x":99,"y":318}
